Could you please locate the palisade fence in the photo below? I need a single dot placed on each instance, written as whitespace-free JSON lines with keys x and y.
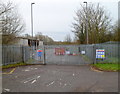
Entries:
{"x":14,"y":54}
{"x":111,"y":52}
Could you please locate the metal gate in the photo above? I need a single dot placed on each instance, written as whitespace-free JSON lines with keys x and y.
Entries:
{"x":35,"y":55}
{"x":64,"y":55}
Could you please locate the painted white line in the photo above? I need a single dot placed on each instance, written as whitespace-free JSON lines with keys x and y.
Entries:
{"x":7,"y":90}
{"x":73,"y":74}
{"x":38,"y":77}
{"x":28,"y":80}
{"x":33,"y":81}
{"x":35,"y":78}
{"x":27,"y":70}
{"x":65,"y":85}
{"x":25,"y":82}
{"x":51,"y":83}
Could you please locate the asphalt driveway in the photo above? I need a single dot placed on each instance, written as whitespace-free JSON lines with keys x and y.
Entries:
{"x":54,"y":78}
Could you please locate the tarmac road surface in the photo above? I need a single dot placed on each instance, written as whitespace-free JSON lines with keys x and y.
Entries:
{"x":59,"y":78}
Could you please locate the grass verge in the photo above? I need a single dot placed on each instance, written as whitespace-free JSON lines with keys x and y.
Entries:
{"x":107,"y":66}
{"x":13,"y":65}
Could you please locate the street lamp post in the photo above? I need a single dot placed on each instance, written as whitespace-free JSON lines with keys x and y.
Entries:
{"x":86,"y":23}
{"x":32,"y":26}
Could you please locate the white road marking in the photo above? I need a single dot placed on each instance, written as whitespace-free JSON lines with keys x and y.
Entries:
{"x":51,"y":83}
{"x":7,"y":90}
{"x":33,"y":81}
{"x":35,"y":78}
{"x":38,"y":77}
{"x":29,"y":80}
{"x":73,"y":74}
{"x":26,"y":81}
{"x":65,"y":84}
{"x":27,"y":70}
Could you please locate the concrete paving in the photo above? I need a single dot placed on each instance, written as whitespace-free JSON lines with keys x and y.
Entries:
{"x":54,"y":78}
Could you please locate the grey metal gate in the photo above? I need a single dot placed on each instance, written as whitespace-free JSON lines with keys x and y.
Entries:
{"x":70,"y":55}
{"x":36,"y":55}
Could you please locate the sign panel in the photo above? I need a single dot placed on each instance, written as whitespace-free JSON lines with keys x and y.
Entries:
{"x":59,"y":51}
{"x":39,"y":52}
{"x":83,"y":52}
{"x":100,"y":53}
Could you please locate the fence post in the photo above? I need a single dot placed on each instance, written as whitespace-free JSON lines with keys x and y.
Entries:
{"x":23,"y":53}
{"x":44,"y":60}
{"x":94,"y":54}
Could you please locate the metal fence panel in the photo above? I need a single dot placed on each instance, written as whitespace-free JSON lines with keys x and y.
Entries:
{"x":14,"y":54}
{"x":111,"y":52}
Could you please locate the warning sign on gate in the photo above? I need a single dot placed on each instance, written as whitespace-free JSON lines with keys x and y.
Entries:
{"x":59,"y":51}
{"x":100,"y":53}
{"x":39,"y":52}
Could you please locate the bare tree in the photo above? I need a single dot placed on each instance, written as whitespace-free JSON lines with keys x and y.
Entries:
{"x":68,"y":38}
{"x":39,"y":36}
{"x":11,"y":24}
{"x":98,"y":24}
{"x":44,"y":38}
{"x":116,"y":32}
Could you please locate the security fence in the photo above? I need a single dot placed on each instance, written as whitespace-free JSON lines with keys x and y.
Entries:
{"x":14,"y":54}
{"x":61,"y":54}
{"x":111,"y":53}
{"x":82,"y":54}
{"x":103,"y":53}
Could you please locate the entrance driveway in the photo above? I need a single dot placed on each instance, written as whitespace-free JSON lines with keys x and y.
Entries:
{"x":54,"y":78}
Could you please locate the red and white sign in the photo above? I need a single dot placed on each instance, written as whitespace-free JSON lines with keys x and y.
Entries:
{"x":59,"y":51}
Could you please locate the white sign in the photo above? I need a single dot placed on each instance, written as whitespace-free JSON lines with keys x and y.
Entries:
{"x":83,"y":52}
{"x":67,"y":52}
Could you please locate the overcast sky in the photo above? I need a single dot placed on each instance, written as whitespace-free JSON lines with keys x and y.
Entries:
{"x":54,"y":17}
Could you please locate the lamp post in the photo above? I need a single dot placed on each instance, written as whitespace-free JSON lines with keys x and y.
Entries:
{"x":32,"y":26}
{"x":86,"y":23}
